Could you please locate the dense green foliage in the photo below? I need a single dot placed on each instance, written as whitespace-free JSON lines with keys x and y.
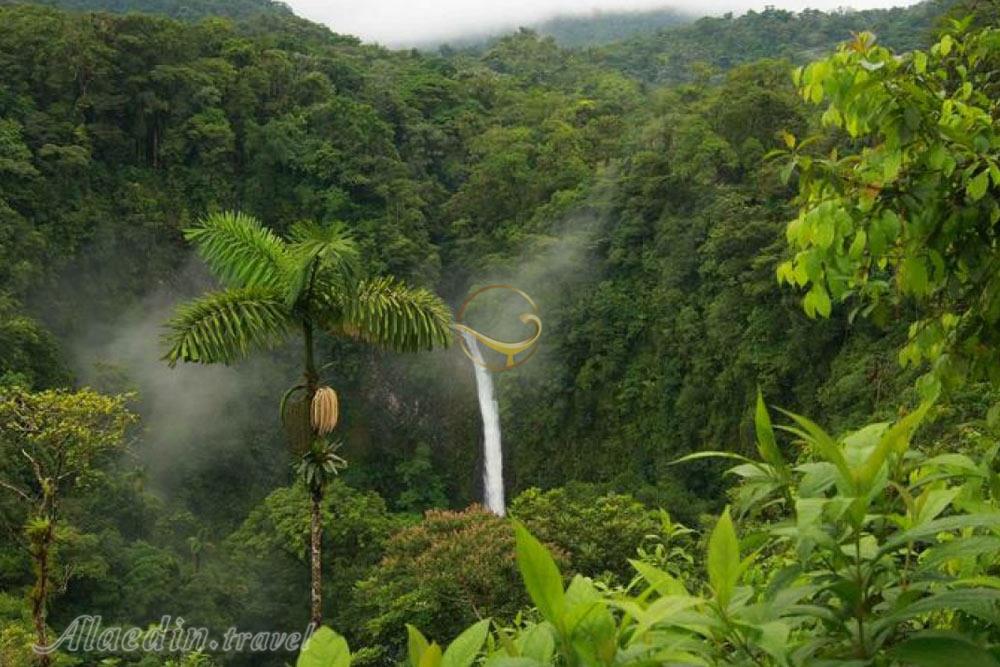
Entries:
{"x":648,"y":222}
{"x":186,"y":10}
{"x":272,"y":544}
{"x":597,"y":533}
{"x":440,"y":575}
{"x":834,"y":568}
{"x":446,"y":571}
{"x":864,"y":549}
{"x":500,"y":166}
{"x":683,"y":53}
{"x":912,"y":218}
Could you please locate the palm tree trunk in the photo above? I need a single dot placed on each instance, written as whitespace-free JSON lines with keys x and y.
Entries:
{"x":316,"y":518}
{"x":316,"y":559}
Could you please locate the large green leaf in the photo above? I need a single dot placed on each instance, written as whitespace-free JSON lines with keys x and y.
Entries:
{"x":932,"y":502}
{"x":936,"y":650}
{"x":416,"y":644}
{"x":767,"y":445}
{"x":660,"y":581}
{"x":661,"y":611}
{"x":983,"y":603}
{"x":773,"y":638}
{"x":541,"y":575}
{"x":724,"y":558}
{"x":713,"y":454}
{"x":930,"y":530}
{"x":431,"y":657}
{"x":824,"y":445}
{"x":538,"y":643}
{"x":589,"y":623}
{"x":895,"y":441}
{"x":325,"y":648}
{"x":511,"y":661}
{"x":968,"y":548}
{"x":978,"y":185}
{"x":463,"y":650}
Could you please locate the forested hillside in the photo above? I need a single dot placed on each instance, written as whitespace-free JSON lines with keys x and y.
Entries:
{"x":184,"y":10}
{"x":605,"y":27}
{"x":715,"y":43}
{"x":631,"y":188}
{"x":582,"y":30}
{"x":451,"y":172}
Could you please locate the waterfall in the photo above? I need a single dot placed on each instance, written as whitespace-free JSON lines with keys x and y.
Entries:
{"x":492,"y":451}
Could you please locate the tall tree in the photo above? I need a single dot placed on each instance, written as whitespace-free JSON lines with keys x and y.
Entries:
{"x":49,"y":442}
{"x":276,"y":288}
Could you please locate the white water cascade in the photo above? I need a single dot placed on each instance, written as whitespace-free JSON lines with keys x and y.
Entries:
{"x":492,"y":450}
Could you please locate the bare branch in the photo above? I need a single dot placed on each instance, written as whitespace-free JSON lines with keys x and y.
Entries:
{"x":11,"y":487}
{"x":37,"y":468}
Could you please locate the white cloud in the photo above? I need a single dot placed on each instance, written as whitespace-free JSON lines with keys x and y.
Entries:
{"x":408,"y":22}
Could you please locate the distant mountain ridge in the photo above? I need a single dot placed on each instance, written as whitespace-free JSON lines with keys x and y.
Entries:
{"x":603,"y":27}
{"x":666,"y":46}
{"x":661,"y":46}
{"x":657,"y":46}
{"x":185,"y":10}
{"x":670,"y":55}
{"x":581,"y":30}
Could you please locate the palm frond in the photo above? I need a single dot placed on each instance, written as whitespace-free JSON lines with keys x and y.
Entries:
{"x":386,"y":312}
{"x":240,"y":250}
{"x":321,"y":253}
{"x":223,"y":327}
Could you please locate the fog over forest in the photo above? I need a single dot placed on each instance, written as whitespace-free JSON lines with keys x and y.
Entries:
{"x":403,"y":23}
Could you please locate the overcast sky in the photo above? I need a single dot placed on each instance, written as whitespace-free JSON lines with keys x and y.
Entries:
{"x":407,"y":22}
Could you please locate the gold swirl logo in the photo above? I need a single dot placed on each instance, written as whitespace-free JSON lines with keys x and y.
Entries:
{"x":509,"y":350}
